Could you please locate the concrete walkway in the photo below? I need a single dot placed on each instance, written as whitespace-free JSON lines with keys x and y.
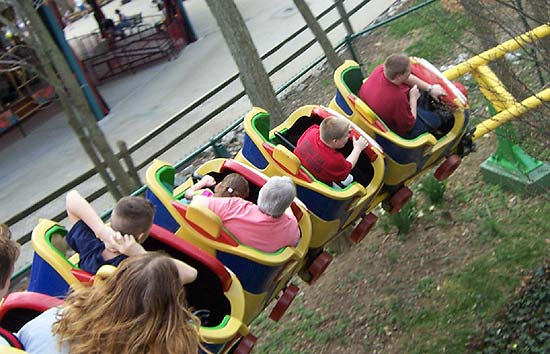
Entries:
{"x":50,"y":156}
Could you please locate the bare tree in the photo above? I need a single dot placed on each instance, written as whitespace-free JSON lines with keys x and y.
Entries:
{"x":79,"y":115}
{"x":536,"y":13}
{"x":344,"y":16}
{"x":484,"y":24}
{"x":334,"y":60}
{"x":251,"y":70}
{"x":528,"y":71}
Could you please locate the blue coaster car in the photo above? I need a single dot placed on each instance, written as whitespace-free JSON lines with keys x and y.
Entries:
{"x":217,"y":295}
{"x":406,"y":158}
{"x":332,"y":209}
{"x":18,"y":308}
{"x":263,"y":275}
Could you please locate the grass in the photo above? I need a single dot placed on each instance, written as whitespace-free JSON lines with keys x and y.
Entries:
{"x":452,"y":310}
{"x":402,"y":220}
{"x":471,"y":297}
{"x":310,"y":326}
{"x":523,"y":327}
{"x":433,"y":24}
{"x":370,"y":66}
{"x":393,"y":256}
{"x":489,"y":230}
{"x":425,"y":286}
{"x":433,"y":189}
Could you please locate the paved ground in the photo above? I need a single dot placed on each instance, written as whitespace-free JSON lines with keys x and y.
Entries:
{"x":50,"y":155}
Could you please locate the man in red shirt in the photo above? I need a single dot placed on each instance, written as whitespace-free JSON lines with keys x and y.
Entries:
{"x":392,"y":92}
{"x":316,"y":149}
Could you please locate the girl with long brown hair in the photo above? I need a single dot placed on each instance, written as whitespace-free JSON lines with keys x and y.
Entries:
{"x":139,"y":309}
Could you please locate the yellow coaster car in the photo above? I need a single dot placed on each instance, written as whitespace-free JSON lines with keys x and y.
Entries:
{"x":52,"y":272}
{"x":332,"y":209}
{"x":406,"y":158}
{"x":262,"y":274}
{"x":216,"y":296}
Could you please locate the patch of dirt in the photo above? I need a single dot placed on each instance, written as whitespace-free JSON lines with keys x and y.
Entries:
{"x":363,"y":283}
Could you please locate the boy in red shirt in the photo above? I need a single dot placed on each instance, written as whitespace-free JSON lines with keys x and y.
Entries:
{"x":316,"y":149}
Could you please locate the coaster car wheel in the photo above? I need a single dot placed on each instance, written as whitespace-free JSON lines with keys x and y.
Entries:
{"x":363,"y":228}
{"x":319,"y":265}
{"x":447,"y":168}
{"x":284,"y":302}
{"x":245,"y":344}
{"x":400,"y":198}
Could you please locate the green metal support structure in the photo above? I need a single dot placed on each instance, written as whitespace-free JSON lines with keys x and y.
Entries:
{"x":511,"y":167}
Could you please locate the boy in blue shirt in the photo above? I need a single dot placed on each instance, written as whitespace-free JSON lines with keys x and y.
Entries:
{"x":98,"y":244}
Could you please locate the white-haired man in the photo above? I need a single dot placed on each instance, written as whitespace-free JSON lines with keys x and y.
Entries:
{"x":268,"y":226}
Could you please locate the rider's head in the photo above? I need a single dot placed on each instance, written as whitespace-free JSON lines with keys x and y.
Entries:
{"x":397,"y":68}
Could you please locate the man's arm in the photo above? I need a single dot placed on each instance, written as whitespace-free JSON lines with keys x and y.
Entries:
{"x":414,"y":94}
{"x":434,"y":90}
{"x":358,"y":145}
{"x":78,"y":208}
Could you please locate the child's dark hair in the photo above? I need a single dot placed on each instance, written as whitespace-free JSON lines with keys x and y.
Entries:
{"x":233,"y":185}
{"x":133,"y":216}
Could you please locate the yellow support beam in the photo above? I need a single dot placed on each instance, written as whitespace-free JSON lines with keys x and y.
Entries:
{"x":511,"y":112}
{"x":497,"y":52}
{"x":493,"y":89}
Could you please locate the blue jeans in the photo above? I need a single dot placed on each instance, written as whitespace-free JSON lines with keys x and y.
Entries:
{"x":426,"y":121}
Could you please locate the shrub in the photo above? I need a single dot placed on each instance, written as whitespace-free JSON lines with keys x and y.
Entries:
{"x":402,"y":220}
{"x":523,"y":326}
{"x":433,"y":189}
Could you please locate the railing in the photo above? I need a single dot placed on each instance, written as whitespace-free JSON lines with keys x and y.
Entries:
{"x":214,"y":141}
{"x":88,"y":45}
{"x":145,"y":46}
